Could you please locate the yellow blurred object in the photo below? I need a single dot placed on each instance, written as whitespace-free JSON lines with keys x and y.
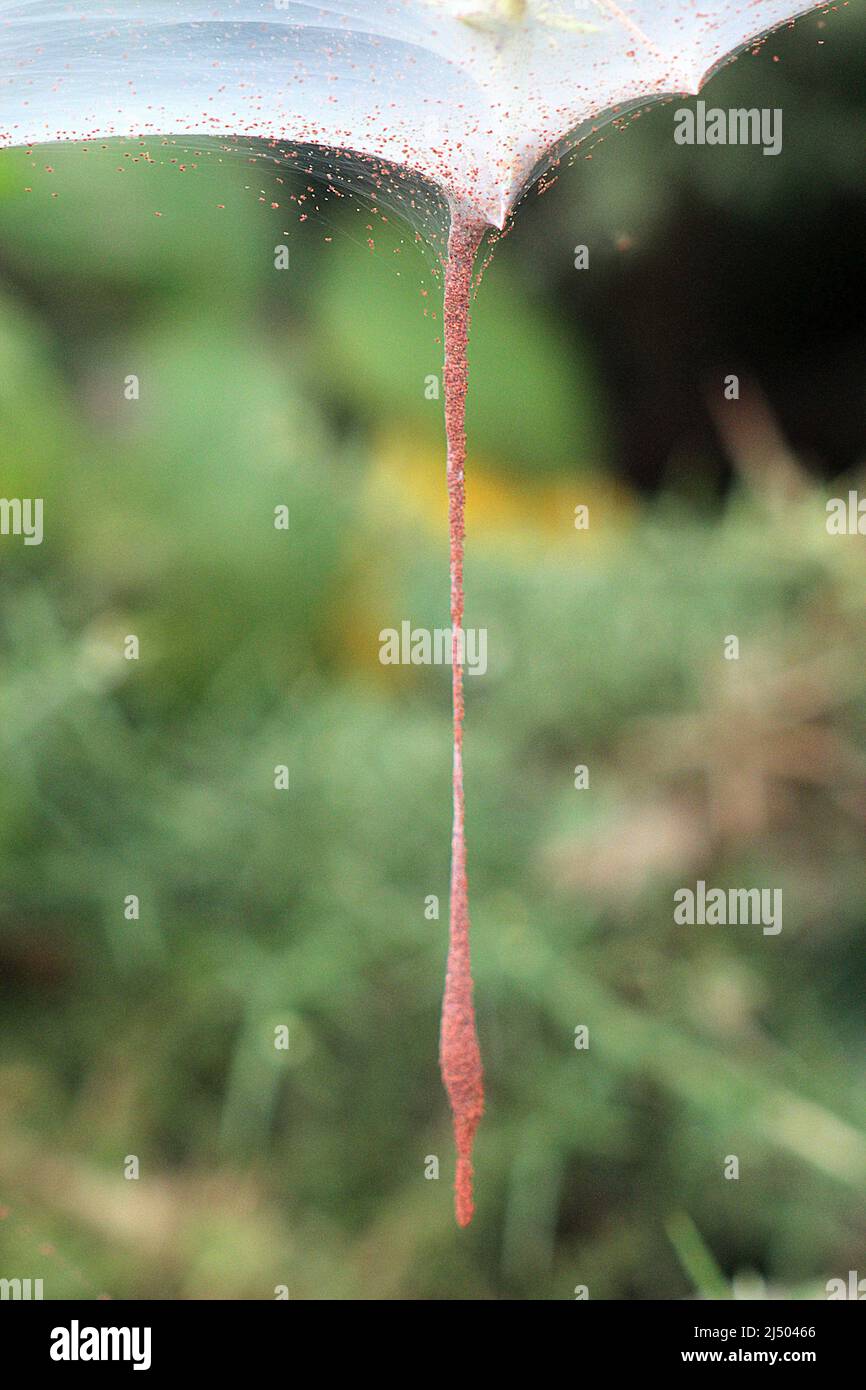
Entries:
{"x":405,"y":491}
{"x":407,"y":480}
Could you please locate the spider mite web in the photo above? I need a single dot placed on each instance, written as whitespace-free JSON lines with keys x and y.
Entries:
{"x":476,"y":98}
{"x":468,"y":93}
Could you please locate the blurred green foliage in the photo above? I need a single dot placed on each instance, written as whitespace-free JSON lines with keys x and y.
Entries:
{"x":258,"y":647}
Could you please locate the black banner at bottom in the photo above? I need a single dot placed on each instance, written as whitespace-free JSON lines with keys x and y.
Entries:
{"x":152,"y":1338}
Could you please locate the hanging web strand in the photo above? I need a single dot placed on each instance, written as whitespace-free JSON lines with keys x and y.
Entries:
{"x":459,"y":1053}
